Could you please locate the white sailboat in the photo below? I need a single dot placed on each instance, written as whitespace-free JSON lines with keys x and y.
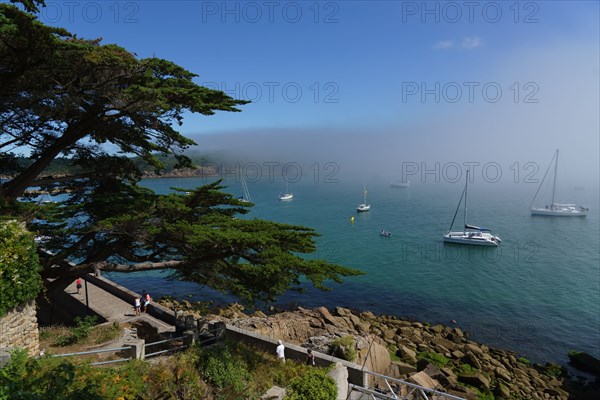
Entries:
{"x":287,"y":195}
{"x":245,"y":192}
{"x":557,"y":209}
{"x":364,"y":206}
{"x":400,"y":184}
{"x":472,"y":235}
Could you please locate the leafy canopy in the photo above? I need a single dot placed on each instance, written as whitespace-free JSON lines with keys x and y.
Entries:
{"x":63,"y":97}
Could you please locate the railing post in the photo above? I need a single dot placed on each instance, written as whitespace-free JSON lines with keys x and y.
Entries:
{"x":190,"y":337}
{"x":4,"y":356}
{"x":137,"y":349}
{"x":219,"y":328}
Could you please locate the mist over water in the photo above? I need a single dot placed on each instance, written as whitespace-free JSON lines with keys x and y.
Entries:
{"x":391,"y":156}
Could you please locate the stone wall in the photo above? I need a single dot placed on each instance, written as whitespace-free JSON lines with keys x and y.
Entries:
{"x":19,"y":328}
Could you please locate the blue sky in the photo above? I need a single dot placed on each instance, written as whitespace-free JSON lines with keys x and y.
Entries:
{"x":508,"y":80}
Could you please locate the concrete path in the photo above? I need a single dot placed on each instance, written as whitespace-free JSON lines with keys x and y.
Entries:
{"x":112,"y":308}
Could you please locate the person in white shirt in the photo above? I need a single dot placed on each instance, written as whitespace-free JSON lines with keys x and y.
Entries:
{"x":281,"y":351}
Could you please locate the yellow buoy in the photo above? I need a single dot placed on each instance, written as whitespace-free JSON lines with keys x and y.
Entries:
{"x":352,"y":219}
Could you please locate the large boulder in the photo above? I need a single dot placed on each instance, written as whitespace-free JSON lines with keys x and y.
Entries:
{"x":378,"y":359}
{"x":398,"y":369}
{"x":422,"y":379}
{"x":475,"y":379}
{"x":585,"y":362}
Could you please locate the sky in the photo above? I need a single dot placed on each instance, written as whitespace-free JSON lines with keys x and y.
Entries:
{"x":378,"y":84}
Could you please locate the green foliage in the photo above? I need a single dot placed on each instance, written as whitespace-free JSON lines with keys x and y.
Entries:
{"x":19,"y":266}
{"x":313,"y":385}
{"x":30,"y":5}
{"x":393,"y":349}
{"x":107,"y":333}
{"x":83,"y":328}
{"x":112,"y":112}
{"x":45,"y":378}
{"x":222,"y":368}
{"x":485,"y":396}
{"x":344,"y":348}
{"x":555,"y":370}
{"x":434,"y":358}
{"x":236,"y":370}
{"x":466,"y":369}
{"x":524,"y":360}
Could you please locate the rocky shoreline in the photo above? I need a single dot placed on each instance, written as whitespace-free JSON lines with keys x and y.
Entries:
{"x":437,"y":356}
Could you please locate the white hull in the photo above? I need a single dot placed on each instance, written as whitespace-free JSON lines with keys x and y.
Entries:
{"x":568,"y":212}
{"x":400,"y":184}
{"x":472,"y":238}
{"x":557,"y":209}
{"x":363,"y":207}
{"x":287,"y":196}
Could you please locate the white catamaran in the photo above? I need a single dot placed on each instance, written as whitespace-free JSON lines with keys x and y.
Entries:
{"x":473,"y":235}
{"x":556,"y":209}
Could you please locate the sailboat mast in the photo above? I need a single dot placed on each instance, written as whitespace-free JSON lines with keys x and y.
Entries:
{"x":365,"y":194}
{"x":554,"y":184}
{"x":465,"y":215}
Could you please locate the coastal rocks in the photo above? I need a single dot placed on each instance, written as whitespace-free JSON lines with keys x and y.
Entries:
{"x":476,"y":379}
{"x":431,"y":355}
{"x":585,"y":362}
{"x":377,"y":359}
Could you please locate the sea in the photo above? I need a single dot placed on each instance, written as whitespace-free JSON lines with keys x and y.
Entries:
{"x":537,"y":294}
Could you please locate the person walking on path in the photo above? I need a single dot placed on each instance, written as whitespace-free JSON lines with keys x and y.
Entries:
{"x":281,"y":351}
{"x":310,"y":357}
{"x":78,"y":284}
{"x":137,"y":306}
{"x":145,"y":301}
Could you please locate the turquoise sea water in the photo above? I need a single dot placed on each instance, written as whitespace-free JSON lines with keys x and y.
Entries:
{"x":537,"y":294}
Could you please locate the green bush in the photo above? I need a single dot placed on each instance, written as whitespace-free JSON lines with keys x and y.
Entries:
{"x":220,"y":367}
{"x":313,"y":385}
{"x":81,"y":331}
{"x":46,"y":378}
{"x":84,"y":327}
{"x":19,"y":266}
{"x":344,"y":348}
{"x":466,"y":369}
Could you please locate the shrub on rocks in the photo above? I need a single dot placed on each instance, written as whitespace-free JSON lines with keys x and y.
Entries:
{"x":314,"y":385}
{"x":344,"y":348}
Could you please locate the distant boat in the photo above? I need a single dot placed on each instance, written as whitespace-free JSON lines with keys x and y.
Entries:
{"x":555,"y":209}
{"x":245,"y":197}
{"x":364,"y":206}
{"x":45,"y":199}
{"x":287,"y":195}
{"x":385,"y":233}
{"x":400,"y":184}
{"x":472,"y":235}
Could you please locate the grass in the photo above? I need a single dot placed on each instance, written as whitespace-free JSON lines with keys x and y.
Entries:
{"x":59,"y":339}
{"x":435,"y":358}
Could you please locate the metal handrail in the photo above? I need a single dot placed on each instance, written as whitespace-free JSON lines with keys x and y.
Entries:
{"x":423,"y":391}
{"x":164,"y":341}
{"x":111,"y":361}
{"x":166,"y":351}
{"x":89,"y":352}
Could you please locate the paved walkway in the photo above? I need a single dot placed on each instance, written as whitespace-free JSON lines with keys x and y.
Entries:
{"x":113,"y":308}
